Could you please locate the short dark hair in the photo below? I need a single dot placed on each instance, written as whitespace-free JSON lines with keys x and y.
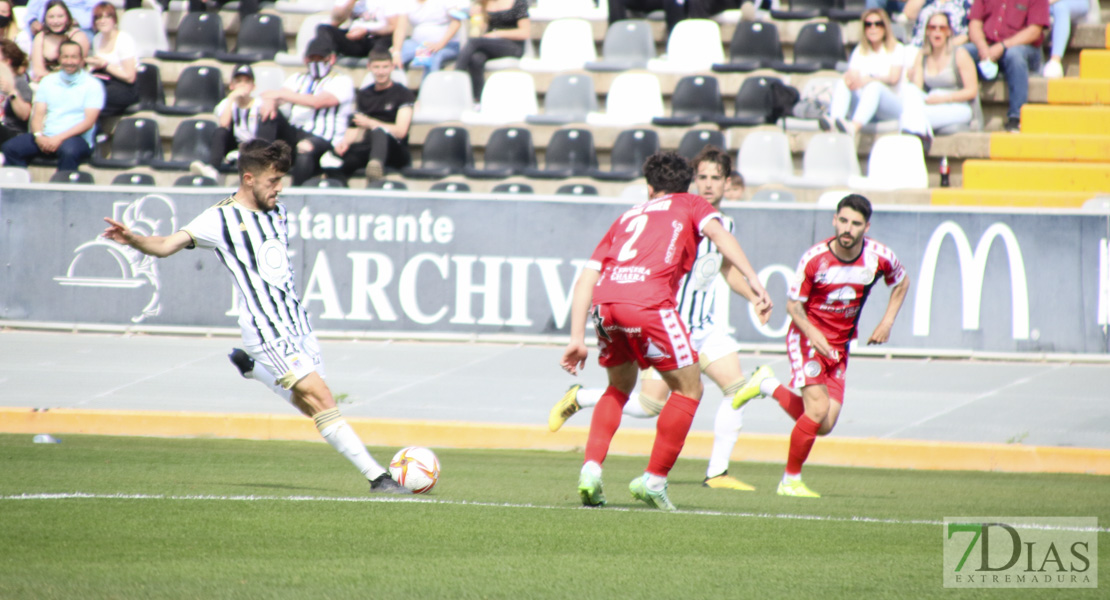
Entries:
{"x":857,"y":203}
{"x":256,"y":156}
{"x":668,"y":172}
{"x":80,"y":50}
{"x":715,"y":155}
{"x":378,"y":55}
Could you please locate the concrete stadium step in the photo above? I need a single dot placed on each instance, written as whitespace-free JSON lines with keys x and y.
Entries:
{"x":1050,"y":147}
{"x":1008,"y":198}
{"x":1094,"y":64}
{"x":1036,"y":176}
{"x":1071,"y":90}
{"x":1073,"y":120}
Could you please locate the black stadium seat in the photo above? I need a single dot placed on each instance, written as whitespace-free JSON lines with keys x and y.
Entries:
{"x":148,"y":81}
{"x":324,"y":182}
{"x":569,"y":153}
{"x":261,"y":37}
{"x":133,"y":179}
{"x":695,"y":98}
{"x":803,"y":9}
{"x":577,"y":189}
{"x":630,"y":150}
{"x":72,"y":177}
{"x":135,"y":141}
{"x":509,"y":152}
{"x":754,"y":45}
{"x":512,"y":188}
{"x":199,"y":35}
{"x":818,"y":46}
{"x":385,"y":184}
{"x":195,"y":181}
{"x":449,"y":186}
{"x":199,"y":89}
{"x":754,"y":105}
{"x":191,"y":141}
{"x":695,"y":140}
{"x":446,"y":151}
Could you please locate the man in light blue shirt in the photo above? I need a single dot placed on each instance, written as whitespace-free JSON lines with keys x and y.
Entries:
{"x":63,"y":117}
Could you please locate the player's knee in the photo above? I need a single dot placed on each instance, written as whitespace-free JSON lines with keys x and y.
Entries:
{"x":730,"y":389}
{"x":652,"y":406}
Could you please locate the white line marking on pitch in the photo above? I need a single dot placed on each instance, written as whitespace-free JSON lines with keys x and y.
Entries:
{"x":381,"y":499}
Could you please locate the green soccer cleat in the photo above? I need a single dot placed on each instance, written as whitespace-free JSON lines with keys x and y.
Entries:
{"x":659,"y":499}
{"x":796,"y":489}
{"x":751,"y":388}
{"x":589,"y":488}
{"x":564,"y":408}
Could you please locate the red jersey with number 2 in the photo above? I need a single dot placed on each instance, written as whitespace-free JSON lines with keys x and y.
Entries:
{"x":647,"y":251}
{"x":834,"y":290}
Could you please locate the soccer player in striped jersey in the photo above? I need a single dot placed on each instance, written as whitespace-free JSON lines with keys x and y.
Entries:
{"x":717,"y":350}
{"x":247,"y":231}
{"x":833,"y":281}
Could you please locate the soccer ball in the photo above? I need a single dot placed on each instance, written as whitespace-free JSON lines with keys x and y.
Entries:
{"x":415,"y":468}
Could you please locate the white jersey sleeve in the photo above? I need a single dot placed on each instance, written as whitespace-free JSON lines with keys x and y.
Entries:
{"x":206,"y":229}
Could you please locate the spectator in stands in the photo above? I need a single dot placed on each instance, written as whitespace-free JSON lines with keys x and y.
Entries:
{"x":10,"y":28}
{"x":734,"y":187}
{"x":1064,"y":13}
{"x":81,"y":11}
{"x":372,"y":26}
{"x":892,"y":7}
{"x":239,"y":119}
{"x":919,"y":12}
{"x":506,"y":28}
{"x":874,"y":71}
{"x":945,"y":84}
{"x":674,"y":10}
{"x":114,"y":60}
{"x":315,"y":109}
{"x":1008,"y":35}
{"x":59,"y":27}
{"x":378,"y":135}
{"x":246,"y":7}
{"x":15,"y":91}
{"x":66,"y":107}
{"x":434,"y":39}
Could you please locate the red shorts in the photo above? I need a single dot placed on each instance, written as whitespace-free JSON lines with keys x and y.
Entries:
{"x":653,"y":337}
{"x":807,"y":367}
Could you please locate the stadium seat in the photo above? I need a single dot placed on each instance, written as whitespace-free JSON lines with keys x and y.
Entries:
{"x":897,"y":162}
{"x":830,"y":160}
{"x":773,"y":195}
{"x":385,"y":184}
{"x":818,"y":46}
{"x":754,"y":104}
{"x":567,"y":44}
{"x":261,"y":37}
{"x":135,"y":141}
{"x":148,"y":81}
{"x":633,"y":99}
{"x":195,"y":181}
{"x":570,"y":98}
{"x":754,"y":45}
{"x":509,"y":63}
{"x":449,"y":186}
{"x":629,"y":44}
{"x":443,"y":96}
{"x":146,"y":27}
{"x":512,"y":188}
{"x":508,"y":152}
{"x":694,"y":45}
{"x":133,"y":179}
{"x":324,"y":182}
{"x":764,"y":157}
{"x":802,"y":9}
{"x":576,"y":189}
{"x":267,"y":78}
{"x":199,"y":89}
{"x":305,"y":34}
{"x":695,"y":140}
{"x":446,"y":151}
{"x":569,"y":153}
{"x":72,"y":177}
{"x":199,"y":35}
{"x":695,"y":98}
{"x":14,"y":175}
{"x":508,"y":97}
{"x":626,"y":159}
{"x":191,"y":141}
{"x":847,"y":10}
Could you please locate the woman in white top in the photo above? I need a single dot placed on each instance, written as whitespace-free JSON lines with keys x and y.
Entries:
{"x":943,"y":81}
{"x":434,"y":40}
{"x":114,"y":59}
{"x":874,"y":71}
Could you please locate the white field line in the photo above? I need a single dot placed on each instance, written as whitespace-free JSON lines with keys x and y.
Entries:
{"x":417,"y":500}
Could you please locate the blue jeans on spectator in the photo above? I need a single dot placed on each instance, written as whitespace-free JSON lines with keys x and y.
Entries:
{"x":19,"y":151}
{"x":446,"y":53}
{"x":891,"y":7}
{"x":874,"y":101}
{"x":1063,"y":13}
{"x":1016,"y":64}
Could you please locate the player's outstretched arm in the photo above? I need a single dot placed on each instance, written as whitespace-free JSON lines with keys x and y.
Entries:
{"x":154,"y":245}
{"x":733,"y":253}
{"x":897,"y":296}
{"x":739,"y":284}
{"x":574,"y":356}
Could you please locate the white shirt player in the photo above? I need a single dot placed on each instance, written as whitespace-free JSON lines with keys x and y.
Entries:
{"x":253,"y":245}
{"x":697,"y":290}
{"x":328,"y":123}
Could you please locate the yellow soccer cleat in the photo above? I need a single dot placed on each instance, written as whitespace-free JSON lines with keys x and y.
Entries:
{"x":564,"y":408}
{"x":795,"y":488}
{"x":751,"y":388}
{"x":724,"y":481}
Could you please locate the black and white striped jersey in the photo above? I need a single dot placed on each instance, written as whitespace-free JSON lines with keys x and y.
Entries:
{"x":696,"y":290}
{"x":328,"y":123}
{"x":253,"y":245}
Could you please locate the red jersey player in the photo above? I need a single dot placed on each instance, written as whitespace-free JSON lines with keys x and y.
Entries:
{"x":631,"y":283}
{"x":833,"y":281}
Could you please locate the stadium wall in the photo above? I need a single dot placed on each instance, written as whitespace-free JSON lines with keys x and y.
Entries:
{"x":1028,"y":282}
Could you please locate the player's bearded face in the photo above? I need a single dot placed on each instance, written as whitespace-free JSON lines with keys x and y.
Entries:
{"x":266,"y":187}
{"x":850,"y":227}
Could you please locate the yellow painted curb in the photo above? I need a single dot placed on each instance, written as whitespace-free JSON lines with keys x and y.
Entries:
{"x":1060,"y":119}
{"x":893,"y":454}
{"x":1008,"y":198}
{"x":1049,"y":147}
{"x":1069,"y":90}
{"x":1094,"y":64}
{"x":1041,"y":176}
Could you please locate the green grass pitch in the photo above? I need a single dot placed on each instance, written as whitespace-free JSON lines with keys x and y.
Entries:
{"x":198,"y":518}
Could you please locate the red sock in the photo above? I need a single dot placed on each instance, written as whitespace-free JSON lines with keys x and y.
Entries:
{"x":790,"y":402}
{"x":670,"y":433}
{"x":801,"y":442}
{"x":603,"y":426}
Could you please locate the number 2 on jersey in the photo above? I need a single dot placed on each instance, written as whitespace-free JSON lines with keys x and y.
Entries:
{"x":636,"y":227}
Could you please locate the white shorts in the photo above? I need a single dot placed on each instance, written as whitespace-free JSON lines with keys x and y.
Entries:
{"x":289,"y":359}
{"x":711,"y":343}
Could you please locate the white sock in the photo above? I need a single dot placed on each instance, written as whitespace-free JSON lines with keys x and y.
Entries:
{"x":592,"y":468}
{"x":656,"y":483}
{"x":726,"y":430}
{"x":787,"y":478}
{"x":263,"y":375}
{"x":587,"y":397}
{"x":768,"y":386}
{"x":345,"y":441}
{"x":633,"y":408}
